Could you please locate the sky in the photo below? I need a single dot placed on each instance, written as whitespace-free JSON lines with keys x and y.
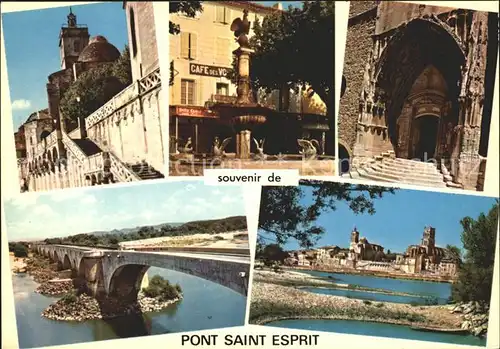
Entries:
{"x":82,"y":210}
{"x":400,"y":219}
{"x":32,"y":48}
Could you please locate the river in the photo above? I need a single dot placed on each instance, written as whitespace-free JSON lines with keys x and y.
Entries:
{"x":377,"y":329}
{"x":439,"y":290}
{"x":421,"y":289}
{"x":205,"y":305}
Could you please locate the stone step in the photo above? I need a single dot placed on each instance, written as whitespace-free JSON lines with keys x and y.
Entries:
{"x":407,"y":169}
{"x":371,"y":173}
{"x":411,"y":163}
{"x":407,"y":173}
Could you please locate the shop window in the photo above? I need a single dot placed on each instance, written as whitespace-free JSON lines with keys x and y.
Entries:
{"x":222,"y":89}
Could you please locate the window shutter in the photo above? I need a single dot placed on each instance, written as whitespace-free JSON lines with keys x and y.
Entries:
{"x":184,"y":45}
{"x":227,"y":15}
{"x":219,"y":14}
{"x":222,"y":51}
{"x":193,"y":46}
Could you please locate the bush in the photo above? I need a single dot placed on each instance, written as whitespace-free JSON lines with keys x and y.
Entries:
{"x":162,"y":289}
{"x":367,"y":302}
{"x":20,"y":251}
{"x":69,"y":297}
{"x":218,"y":237}
{"x":379,"y":305}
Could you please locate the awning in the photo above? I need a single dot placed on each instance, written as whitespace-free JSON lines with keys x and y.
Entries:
{"x":187,"y":111}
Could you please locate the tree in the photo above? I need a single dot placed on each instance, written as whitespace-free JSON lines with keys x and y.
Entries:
{"x":188,"y":8}
{"x":271,"y":254}
{"x":284,"y":215}
{"x":95,"y":87}
{"x":294,"y":48}
{"x":475,"y":278}
{"x":454,"y":253}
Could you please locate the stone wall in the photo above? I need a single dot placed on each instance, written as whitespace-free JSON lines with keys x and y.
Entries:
{"x":147,"y":36}
{"x":357,"y":54}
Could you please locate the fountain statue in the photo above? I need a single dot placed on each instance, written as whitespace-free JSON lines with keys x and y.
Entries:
{"x":309,"y":148}
{"x":187,"y":148}
{"x":218,"y":148}
{"x":259,"y":145}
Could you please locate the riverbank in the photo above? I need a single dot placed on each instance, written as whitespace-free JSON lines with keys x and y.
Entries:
{"x":300,"y":280}
{"x":272,"y":302}
{"x":17,"y":264}
{"x":380,"y":274}
{"x":76,"y":306}
{"x":279,"y":296}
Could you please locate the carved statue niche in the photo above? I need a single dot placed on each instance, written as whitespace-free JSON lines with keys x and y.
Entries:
{"x":241,"y":28}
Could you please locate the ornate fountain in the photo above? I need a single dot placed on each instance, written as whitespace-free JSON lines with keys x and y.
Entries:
{"x":245,"y":113}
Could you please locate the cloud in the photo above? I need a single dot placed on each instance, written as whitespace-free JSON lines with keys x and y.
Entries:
{"x":21,"y":104}
{"x":23,"y":201}
{"x":230,"y":199}
{"x":65,"y":194}
{"x":43,"y":210}
{"x":88,"y":199}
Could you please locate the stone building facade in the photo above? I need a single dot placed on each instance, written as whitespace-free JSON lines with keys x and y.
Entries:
{"x":123,"y":139}
{"x":424,"y":258}
{"x":201,"y":56}
{"x":418,"y":88}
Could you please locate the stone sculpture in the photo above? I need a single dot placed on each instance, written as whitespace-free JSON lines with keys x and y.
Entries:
{"x":187,"y":148}
{"x":218,"y":148}
{"x":259,"y":145}
{"x":309,"y":148}
{"x":241,"y":28}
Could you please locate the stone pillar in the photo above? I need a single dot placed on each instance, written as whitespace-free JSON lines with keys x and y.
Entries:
{"x":243,"y":139}
{"x":243,"y":91}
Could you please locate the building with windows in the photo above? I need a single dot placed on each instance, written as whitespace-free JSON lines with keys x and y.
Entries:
{"x":201,"y":56}
{"x":120,"y":141}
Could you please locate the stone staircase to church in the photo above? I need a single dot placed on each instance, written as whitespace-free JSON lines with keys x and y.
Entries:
{"x":145,"y":171}
{"x":387,"y":168}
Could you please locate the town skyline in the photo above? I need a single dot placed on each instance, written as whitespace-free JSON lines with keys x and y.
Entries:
{"x":396,"y":230}
{"x":69,"y":212}
{"x":38,"y":30}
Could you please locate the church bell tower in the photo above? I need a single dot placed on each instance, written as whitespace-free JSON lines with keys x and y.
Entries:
{"x":73,"y":39}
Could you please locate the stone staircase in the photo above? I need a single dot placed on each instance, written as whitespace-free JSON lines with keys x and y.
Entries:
{"x":387,"y":168}
{"x":145,"y":171}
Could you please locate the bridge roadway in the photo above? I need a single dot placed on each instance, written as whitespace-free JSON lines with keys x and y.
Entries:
{"x":120,"y":272}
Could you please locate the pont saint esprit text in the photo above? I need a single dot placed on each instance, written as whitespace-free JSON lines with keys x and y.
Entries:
{"x":292,"y":340}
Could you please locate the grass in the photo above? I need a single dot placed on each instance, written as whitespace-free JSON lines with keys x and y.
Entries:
{"x":266,"y":309}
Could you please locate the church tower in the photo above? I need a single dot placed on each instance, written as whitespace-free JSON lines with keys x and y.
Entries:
{"x":429,"y":238}
{"x":73,"y":39}
{"x":354,"y":236}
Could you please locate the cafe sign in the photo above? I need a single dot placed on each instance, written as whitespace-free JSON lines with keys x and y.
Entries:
{"x":193,"y":112}
{"x":208,"y":70}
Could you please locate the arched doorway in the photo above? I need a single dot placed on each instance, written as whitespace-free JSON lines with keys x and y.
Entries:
{"x":417,"y":84}
{"x":425,"y":133}
{"x":344,"y":159}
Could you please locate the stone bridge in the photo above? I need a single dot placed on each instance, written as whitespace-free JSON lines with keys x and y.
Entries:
{"x":119,"y":273}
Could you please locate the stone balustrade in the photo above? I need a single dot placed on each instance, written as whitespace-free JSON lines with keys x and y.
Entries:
{"x":94,"y":163}
{"x":150,"y":81}
{"x":118,"y":101}
{"x":73,"y":148}
{"x":120,"y":171}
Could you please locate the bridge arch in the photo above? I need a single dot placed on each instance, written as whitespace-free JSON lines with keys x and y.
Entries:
{"x":125,"y":283}
{"x":124,"y":273}
{"x":66,"y":262}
